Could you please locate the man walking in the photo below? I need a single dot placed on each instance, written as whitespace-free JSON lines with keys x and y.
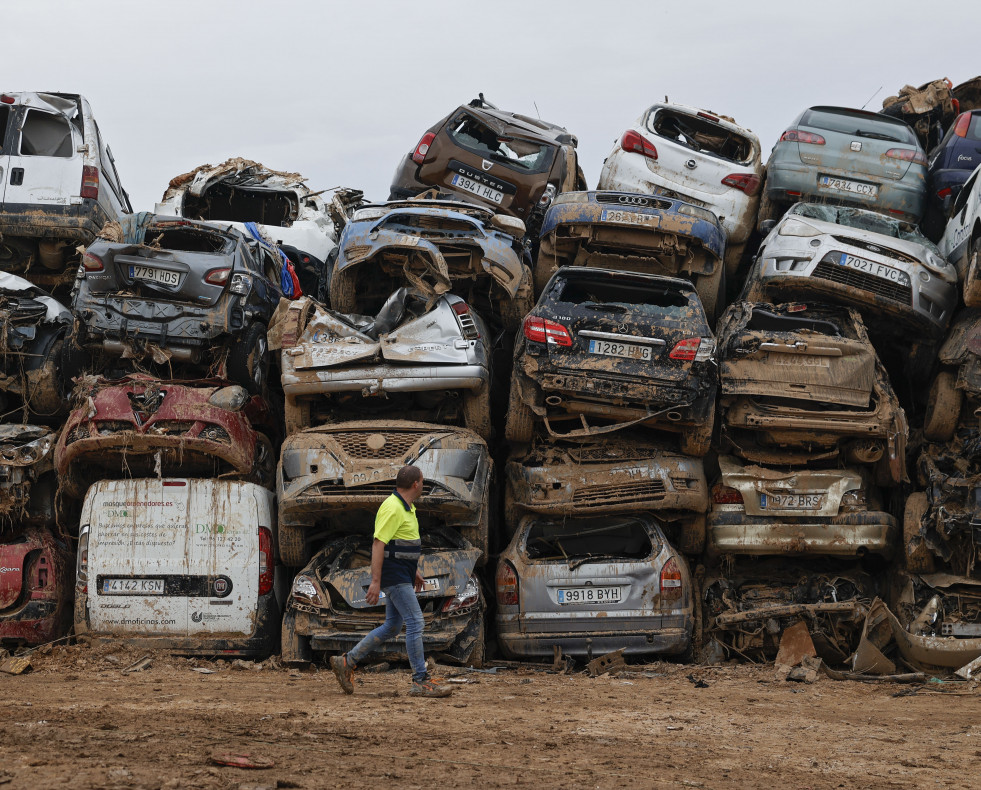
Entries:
{"x":394,"y":572}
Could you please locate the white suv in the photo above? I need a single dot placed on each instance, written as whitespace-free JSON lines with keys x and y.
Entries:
{"x":696,"y":156}
{"x":961,"y":242}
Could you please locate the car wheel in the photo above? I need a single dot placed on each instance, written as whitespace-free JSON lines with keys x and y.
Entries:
{"x":264,"y":465}
{"x":294,"y":649}
{"x":247,"y":364}
{"x":476,"y":411}
{"x":943,"y":408}
{"x":296,"y":414}
{"x":691,"y":539}
{"x":514,"y":309}
{"x":920,"y":558}
{"x":343,"y":291}
{"x":293,"y":546}
{"x":697,"y":440}
{"x":521,"y":419}
{"x":711,"y":291}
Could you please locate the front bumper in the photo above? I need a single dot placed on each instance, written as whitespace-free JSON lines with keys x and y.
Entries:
{"x":384,"y":378}
{"x":80,"y":223}
{"x":36,"y":623}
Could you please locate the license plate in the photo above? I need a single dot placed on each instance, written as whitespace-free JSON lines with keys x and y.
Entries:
{"x":853,"y":187}
{"x":468,"y":184}
{"x":629,"y":217}
{"x":132,"y":586}
{"x":797,"y":360}
{"x":877,"y":269}
{"x":154,"y":275}
{"x":790,"y":501}
{"x":588,"y":595}
{"x":613,"y":349}
{"x":428,"y":585}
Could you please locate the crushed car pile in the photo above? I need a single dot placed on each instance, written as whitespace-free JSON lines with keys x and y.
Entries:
{"x":716,"y":408}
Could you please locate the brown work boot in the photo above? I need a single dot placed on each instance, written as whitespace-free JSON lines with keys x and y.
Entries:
{"x":344,"y":673}
{"x":427,"y":687}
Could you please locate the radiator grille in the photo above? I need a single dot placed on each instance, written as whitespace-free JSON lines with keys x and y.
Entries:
{"x":864,"y":282}
{"x":397,"y":445}
{"x":625,"y":492}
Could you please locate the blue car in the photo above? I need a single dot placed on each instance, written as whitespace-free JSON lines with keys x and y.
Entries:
{"x":627,"y":231}
{"x":950,"y":164}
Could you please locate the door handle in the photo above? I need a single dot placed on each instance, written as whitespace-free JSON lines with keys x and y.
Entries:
{"x":16,"y":176}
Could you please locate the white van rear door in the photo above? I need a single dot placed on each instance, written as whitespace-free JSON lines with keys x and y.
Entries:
{"x":45,"y":165}
{"x":8,"y":114}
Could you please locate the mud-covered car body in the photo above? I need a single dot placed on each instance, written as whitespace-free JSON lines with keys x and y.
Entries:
{"x":35,"y":587}
{"x":27,"y":484}
{"x":634,"y":232}
{"x":333,"y":478}
{"x":700,"y":157}
{"x":750,"y":602}
{"x":60,"y":185}
{"x":284,"y":209}
{"x":511,"y":163}
{"x":618,"y":346}
{"x":33,"y":327}
{"x":419,"y":358}
{"x":802,"y":383}
{"x":955,"y":158}
{"x":847,"y":157}
{"x":176,"y":289}
{"x":327,"y":611}
{"x":436,"y":246}
{"x":829,"y":512}
{"x":593,"y":585}
{"x":881,"y":266}
{"x":139,"y":426}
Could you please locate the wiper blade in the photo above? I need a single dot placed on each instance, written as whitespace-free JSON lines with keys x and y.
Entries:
{"x":613,"y":307}
{"x":878,"y":136}
{"x":573,"y":564}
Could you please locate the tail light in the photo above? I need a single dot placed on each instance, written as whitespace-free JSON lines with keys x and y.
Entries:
{"x":671,"y":581}
{"x":464,"y":317}
{"x":686,"y":350}
{"x":82,"y":563}
{"x":266,"y":561}
{"x":507,"y":584}
{"x":217,"y":276}
{"x":945,"y":192}
{"x":469,"y":597}
{"x":90,"y":182}
{"x":798,"y":136}
{"x":962,"y":124}
{"x":708,"y":117}
{"x":907,"y":155}
{"x":638,"y":144}
{"x":726,"y":495}
{"x":746,"y":182}
{"x":92,"y":263}
{"x":542,"y":330}
{"x":419,"y":155}
{"x":7,"y":99}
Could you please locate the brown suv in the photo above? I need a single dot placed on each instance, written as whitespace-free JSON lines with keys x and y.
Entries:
{"x":511,"y":163}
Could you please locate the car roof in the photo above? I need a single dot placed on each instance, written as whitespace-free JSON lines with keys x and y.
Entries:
{"x":724,"y":121}
{"x":530,"y":127}
{"x":872,"y":116}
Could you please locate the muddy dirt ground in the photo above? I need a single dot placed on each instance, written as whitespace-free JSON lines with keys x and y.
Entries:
{"x":78,"y":721}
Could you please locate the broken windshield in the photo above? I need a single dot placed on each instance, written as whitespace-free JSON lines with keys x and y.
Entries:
{"x":530,"y":156}
{"x":860,"y":219}
{"x":579,"y":540}
{"x":623,"y":297}
{"x":701,"y":135}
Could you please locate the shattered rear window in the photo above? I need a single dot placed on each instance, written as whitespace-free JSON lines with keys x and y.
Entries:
{"x":46,"y":134}
{"x":701,"y":135}
{"x":626,"y":297}
{"x":860,"y":124}
{"x":860,"y":219}
{"x":186,"y":239}
{"x":231,"y":203}
{"x":530,"y":156}
{"x":584,"y":538}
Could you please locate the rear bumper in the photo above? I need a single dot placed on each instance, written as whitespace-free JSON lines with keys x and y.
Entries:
{"x":384,"y":378}
{"x":847,"y":535}
{"x":80,"y":222}
{"x":36,"y":623}
{"x":670,"y":640}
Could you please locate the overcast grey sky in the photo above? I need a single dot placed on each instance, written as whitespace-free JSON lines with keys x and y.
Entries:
{"x":341,"y":91}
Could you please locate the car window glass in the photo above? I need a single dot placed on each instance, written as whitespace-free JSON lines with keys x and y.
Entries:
{"x":764,"y":320}
{"x":961,"y":200}
{"x":224,"y":201}
{"x":864,"y":220}
{"x":574,"y":538}
{"x":623,"y":297}
{"x":974,"y":130}
{"x":521,"y":154}
{"x":700,"y":134}
{"x":4,"y":117}
{"x":186,"y":239}
{"x":860,"y":124}
{"x":46,"y":134}
{"x":105,"y":161}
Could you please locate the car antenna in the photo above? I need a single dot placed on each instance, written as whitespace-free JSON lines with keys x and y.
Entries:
{"x":537,"y":110}
{"x":872,"y":97}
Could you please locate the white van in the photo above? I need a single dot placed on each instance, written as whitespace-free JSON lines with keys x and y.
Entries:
{"x":182,"y":565}
{"x":58,"y":184}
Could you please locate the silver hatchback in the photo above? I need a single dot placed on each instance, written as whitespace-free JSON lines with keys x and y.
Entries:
{"x":593,"y":585}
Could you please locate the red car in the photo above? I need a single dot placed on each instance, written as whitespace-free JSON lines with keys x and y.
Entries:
{"x":36,"y":587}
{"x":141,"y":427}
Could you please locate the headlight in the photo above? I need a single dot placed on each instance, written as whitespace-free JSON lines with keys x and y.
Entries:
{"x":241,"y":284}
{"x":230,"y":398}
{"x":794,"y":227}
{"x":368,"y":213}
{"x":306,"y":589}
{"x":940,"y":267}
{"x":699,"y":212}
{"x":571,"y":197}
{"x":464,"y":600}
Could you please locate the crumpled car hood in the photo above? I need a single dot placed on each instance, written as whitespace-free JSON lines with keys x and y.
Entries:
{"x":55,"y":310}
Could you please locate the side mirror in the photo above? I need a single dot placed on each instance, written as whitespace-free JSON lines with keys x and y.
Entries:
{"x":510,"y":225}
{"x":767,"y":225}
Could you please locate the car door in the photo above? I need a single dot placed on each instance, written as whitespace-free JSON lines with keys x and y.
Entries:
{"x":7,"y":113}
{"x":44,"y":167}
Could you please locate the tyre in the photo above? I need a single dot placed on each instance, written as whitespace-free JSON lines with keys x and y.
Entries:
{"x":691,"y":539}
{"x":697,"y":440}
{"x":477,"y":411}
{"x":297,"y":414}
{"x":343,"y":291}
{"x":920,"y":558}
{"x":294,"y":649}
{"x":943,"y":409}
{"x":521,"y":419}
{"x":478,"y":653}
{"x":247,"y":364}
{"x":293,"y":546}
{"x":264,"y":465}
{"x":44,"y":386}
{"x":711,"y":291}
